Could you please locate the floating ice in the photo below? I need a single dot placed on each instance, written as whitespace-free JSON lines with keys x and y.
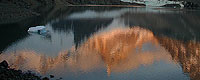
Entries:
{"x":41,"y":30}
{"x":37,"y":29}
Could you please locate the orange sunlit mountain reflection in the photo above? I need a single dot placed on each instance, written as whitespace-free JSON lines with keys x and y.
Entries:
{"x":185,"y":53}
{"x":117,"y":50}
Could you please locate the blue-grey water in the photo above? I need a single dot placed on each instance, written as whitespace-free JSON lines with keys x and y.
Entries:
{"x":107,"y":43}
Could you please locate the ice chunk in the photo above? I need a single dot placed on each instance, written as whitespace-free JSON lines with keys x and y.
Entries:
{"x":36,"y":29}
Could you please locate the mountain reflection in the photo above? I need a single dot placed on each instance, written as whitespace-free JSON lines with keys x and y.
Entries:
{"x":117,"y":50}
{"x":80,"y":28}
{"x":185,"y":53}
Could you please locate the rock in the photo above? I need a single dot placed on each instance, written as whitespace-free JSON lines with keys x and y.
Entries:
{"x":45,"y":78}
{"x":4,"y":64}
{"x":51,"y":76}
{"x":7,"y":73}
{"x":190,"y":4}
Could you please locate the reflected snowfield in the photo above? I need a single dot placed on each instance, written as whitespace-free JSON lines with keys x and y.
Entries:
{"x":121,"y":43}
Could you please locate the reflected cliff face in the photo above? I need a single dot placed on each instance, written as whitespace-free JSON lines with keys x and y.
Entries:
{"x":118,"y":50}
{"x":187,"y":54}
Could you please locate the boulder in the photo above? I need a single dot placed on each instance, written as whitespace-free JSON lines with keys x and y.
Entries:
{"x":4,"y":64}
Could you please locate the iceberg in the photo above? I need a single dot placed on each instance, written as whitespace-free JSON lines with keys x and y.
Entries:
{"x":37,"y":29}
{"x":41,"y":30}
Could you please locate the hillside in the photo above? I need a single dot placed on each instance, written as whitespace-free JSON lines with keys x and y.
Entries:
{"x":16,"y":10}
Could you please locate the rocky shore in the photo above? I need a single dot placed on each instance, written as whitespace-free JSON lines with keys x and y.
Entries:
{"x":7,"y":73}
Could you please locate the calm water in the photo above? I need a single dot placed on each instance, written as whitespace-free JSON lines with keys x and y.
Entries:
{"x":107,"y":43}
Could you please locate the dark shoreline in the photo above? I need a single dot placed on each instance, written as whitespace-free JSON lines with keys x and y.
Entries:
{"x":7,"y":73}
{"x":106,"y":5}
{"x":14,"y":11}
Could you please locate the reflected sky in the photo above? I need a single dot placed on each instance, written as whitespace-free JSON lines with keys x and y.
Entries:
{"x":122,"y":43}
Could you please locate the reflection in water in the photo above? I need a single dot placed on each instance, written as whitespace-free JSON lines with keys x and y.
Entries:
{"x":120,"y":50}
{"x":6,"y":31}
{"x":117,"y":45}
{"x":116,"y":13}
{"x":185,"y":53}
{"x":79,"y":27}
{"x":92,"y":46}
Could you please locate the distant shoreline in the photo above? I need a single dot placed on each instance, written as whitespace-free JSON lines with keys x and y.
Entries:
{"x":108,"y":5}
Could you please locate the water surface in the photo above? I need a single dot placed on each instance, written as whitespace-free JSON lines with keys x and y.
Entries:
{"x":108,"y":43}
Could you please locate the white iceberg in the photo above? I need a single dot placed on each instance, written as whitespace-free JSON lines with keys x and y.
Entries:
{"x":37,"y":29}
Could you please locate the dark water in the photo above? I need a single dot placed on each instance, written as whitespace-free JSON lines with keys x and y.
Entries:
{"x":108,"y":43}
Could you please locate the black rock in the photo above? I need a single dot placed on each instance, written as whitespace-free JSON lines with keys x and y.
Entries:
{"x":45,"y":78}
{"x":190,"y":4}
{"x":51,"y":76}
{"x":4,"y":64}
